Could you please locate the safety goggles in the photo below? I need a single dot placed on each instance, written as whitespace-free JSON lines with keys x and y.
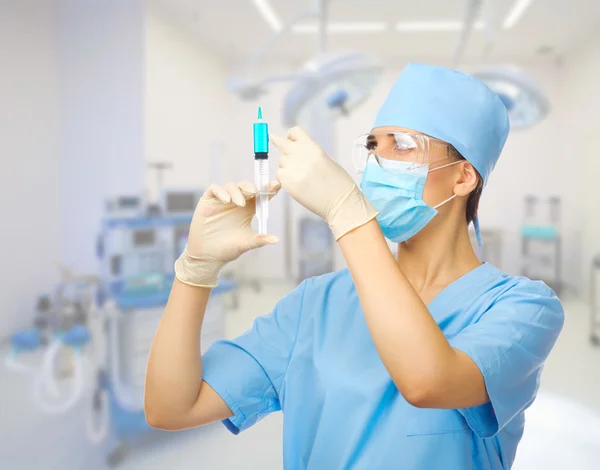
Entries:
{"x":398,"y":150}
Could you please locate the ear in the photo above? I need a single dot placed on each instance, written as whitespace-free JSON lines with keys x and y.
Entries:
{"x":467,"y":180}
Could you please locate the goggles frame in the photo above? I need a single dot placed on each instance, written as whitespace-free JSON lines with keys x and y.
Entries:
{"x":423,"y":145}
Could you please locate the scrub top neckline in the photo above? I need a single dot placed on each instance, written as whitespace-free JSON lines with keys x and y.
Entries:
{"x":464,"y":282}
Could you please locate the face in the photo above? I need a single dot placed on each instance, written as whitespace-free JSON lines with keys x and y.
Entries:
{"x":460,"y":178}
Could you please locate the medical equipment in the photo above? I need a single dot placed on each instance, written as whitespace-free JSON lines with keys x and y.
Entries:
{"x":153,"y":199}
{"x":526,"y":102}
{"x":60,"y":327}
{"x":136,"y":253}
{"x":541,"y":242}
{"x":595,"y":302}
{"x":125,"y":328}
{"x":142,"y":238}
{"x":45,"y":380}
{"x":98,"y":328}
{"x":261,"y":171}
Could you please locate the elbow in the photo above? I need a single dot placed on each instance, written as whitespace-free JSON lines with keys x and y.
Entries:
{"x":158,"y":418}
{"x":419,"y":397}
{"x":154,"y":419}
{"x":162,"y":423}
{"x":420,"y":394}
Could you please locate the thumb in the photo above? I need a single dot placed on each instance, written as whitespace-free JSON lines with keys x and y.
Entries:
{"x":274,"y":188}
{"x":282,"y":144}
{"x":258,"y":241}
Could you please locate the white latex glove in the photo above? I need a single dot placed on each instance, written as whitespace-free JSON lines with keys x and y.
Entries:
{"x":221,"y":232}
{"x":320,"y":184}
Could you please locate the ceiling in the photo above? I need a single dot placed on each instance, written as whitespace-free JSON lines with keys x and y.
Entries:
{"x":236,"y":29}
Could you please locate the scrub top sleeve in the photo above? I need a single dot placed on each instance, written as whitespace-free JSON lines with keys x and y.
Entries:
{"x":509,"y":344}
{"x":248,"y":371}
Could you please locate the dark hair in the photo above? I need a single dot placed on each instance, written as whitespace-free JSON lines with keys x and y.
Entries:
{"x":475,"y":196}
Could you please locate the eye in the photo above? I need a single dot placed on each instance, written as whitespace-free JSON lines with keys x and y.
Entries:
{"x":371,"y":142}
{"x":404,"y":143}
{"x":403,"y":146}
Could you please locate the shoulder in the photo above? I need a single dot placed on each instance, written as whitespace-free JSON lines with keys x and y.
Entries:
{"x":337,"y":282}
{"x":337,"y":285}
{"x":526,"y":300}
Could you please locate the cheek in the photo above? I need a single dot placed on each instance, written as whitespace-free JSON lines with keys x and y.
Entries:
{"x":435,"y":190}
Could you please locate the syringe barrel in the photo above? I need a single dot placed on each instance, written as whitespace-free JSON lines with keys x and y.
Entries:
{"x":261,"y":140}
{"x":261,"y":177}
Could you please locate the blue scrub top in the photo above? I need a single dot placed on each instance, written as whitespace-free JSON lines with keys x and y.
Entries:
{"x":314,"y":359}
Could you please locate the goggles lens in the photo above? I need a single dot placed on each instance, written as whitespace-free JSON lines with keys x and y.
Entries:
{"x":396,"y":150}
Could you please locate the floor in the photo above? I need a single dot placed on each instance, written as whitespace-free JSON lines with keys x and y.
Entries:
{"x":563,"y":426}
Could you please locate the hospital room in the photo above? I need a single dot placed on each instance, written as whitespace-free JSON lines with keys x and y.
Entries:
{"x":319,"y":234}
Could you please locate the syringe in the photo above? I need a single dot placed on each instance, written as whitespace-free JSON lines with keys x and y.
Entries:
{"x":261,"y":171}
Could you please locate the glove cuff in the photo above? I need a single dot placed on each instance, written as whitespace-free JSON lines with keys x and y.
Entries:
{"x":198,"y":272}
{"x":353,"y":211}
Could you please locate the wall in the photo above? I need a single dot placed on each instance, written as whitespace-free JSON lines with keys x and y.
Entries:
{"x":102,"y":115}
{"x":186,"y":104}
{"x":581,"y":125}
{"x":29,"y":179}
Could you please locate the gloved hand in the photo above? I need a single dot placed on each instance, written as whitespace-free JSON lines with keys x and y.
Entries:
{"x":320,"y":184}
{"x":220,"y":232}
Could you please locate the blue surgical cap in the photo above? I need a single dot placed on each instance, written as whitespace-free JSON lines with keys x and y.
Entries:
{"x":451,"y":106}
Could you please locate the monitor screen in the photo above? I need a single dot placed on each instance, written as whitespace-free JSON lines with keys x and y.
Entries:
{"x":143,"y":237}
{"x":180,"y":202}
{"x":128,"y":202}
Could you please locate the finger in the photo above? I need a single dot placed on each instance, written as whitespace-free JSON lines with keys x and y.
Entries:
{"x":281,"y":143}
{"x":258,"y":241}
{"x":274,"y":188}
{"x":248,"y":188}
{"x":296,"y":133}
{"x":281,"y":176}
{"x":284,"y":160}
{"x":215,"y":191}
{"x":236,"y":194}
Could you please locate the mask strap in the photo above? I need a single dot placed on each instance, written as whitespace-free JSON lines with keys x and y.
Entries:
{"x":444,"y":202}
{"x":444,"y":166}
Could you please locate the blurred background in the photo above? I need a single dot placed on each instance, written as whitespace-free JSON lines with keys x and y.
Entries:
{"x":115,"y":115}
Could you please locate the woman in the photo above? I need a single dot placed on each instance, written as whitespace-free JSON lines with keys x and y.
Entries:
{"x":427,"y":361}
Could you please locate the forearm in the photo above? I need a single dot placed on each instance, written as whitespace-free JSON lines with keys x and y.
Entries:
{"x":411,"y":345}
{"x":174,"y":371}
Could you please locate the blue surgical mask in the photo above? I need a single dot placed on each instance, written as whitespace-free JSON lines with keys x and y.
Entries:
{"x":396,"y":191}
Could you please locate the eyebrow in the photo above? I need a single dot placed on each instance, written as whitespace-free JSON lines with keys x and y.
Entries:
{"x":372,"y":137}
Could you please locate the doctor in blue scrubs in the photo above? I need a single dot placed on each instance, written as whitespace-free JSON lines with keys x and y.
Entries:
{"x":425,"y":361}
